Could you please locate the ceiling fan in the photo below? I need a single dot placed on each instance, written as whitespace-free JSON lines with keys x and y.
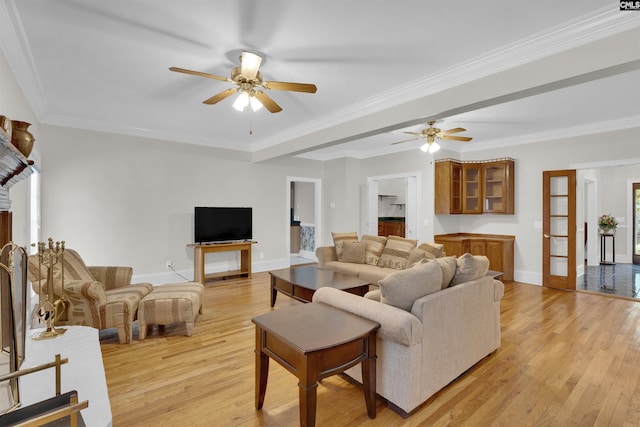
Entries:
{"x":430,"y":134}
{"x":247,"y":77}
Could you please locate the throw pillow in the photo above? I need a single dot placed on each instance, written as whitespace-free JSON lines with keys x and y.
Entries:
{"x":340,"y":238}
{"x":396,"y":252}
{"x":417,"y":255}
{"x":435,"y":249}
{"x":402,"y":288}
{"x":470,"y":267}
{"x":354,"y":252}
{"x":448,"y":265}
{"x":375,"y":245}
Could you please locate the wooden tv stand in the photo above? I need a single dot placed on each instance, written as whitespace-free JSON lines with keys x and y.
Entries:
{"x":199,"y":250}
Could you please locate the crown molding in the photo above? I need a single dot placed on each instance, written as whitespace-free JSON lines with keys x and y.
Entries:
{"x":580,"y":31}
{"x":569,"y":132}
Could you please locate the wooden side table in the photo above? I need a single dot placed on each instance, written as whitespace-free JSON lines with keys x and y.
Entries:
{"x":314,"y":341}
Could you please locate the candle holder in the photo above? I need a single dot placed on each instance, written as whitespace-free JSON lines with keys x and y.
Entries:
{"x":51,"y":310}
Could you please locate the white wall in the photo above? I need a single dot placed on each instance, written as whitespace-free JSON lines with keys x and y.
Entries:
{"x":304,"y":207}
{"x":129,"y":201}
{"x":14,"y":105}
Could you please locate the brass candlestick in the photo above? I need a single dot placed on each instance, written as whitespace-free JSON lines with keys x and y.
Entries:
{"x":50,"y":309}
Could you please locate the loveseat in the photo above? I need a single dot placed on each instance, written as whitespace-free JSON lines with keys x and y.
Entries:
{"x":434,"y":339}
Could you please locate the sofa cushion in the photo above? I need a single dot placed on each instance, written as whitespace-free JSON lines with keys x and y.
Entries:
{"x":402,"y":288}
{"x":435,"y":249}
{"x":340,"y":238}
{"x":374,"y":274}
{"x":373,"y":295}
{"x":396,"y":252}
{"x":348,"y":268}
{"x":470,"y":267}
{"x":353,"y":252}
{"x":375,"y":245}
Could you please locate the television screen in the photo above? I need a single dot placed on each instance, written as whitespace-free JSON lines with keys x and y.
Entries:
{"x":221,"y":224}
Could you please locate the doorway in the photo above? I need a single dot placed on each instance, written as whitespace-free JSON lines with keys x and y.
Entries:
{"x":304,"y":217}
{"x":409,"y":202}
{"x":635,"y":197}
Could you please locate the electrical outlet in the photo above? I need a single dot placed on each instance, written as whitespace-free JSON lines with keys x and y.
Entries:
{"x":168,"y":264}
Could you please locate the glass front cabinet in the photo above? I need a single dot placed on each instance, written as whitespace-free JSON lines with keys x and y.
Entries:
{"x":474,"y":187}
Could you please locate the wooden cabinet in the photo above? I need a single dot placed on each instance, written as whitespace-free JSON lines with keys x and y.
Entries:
{"x":498,"y":248}
{"x":497,"y":186}
{"x":474,"y":187}
{"x":448,"y":178}
{"x":391,"y":228}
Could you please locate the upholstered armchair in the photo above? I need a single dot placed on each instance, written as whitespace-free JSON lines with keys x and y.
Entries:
{"x":101,"y":297}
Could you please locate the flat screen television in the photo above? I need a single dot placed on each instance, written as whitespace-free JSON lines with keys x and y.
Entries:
{"x":222,"y":224}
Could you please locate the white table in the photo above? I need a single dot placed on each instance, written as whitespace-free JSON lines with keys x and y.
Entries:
{"x":84,"y":372}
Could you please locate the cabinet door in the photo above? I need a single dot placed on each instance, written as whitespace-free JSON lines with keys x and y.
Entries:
{"x":495,"y":253}
{"x":471,"y":188}
{"x":497,"y":186}
{"x":477,"y":247}
{"x":448,"y":187}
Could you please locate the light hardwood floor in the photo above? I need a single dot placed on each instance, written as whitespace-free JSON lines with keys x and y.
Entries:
{"x":567,"y":358}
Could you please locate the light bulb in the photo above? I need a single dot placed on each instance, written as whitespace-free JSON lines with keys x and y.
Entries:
{"x":255,"y":103}
{"x":241,"y":102}
{"x":434,"y":147}
{"x":425,"y":147}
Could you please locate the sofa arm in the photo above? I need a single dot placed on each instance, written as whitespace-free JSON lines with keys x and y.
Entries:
{"x":85,"y":298}
{"x":112,"y":277}
{"x":498,"y":290}
{"x":396,"y":324}
{"x":326,"y":254}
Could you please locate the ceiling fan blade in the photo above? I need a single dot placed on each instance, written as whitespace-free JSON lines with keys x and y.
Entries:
{"x":406,"y":140}
{"x":268,"y":103}
{"x":249,"y":64}
{"x":296,"y":87}
{"x":456,"y":138}
{"x":199,"y":73}
{"x":220,"y":96}
{"x":454,"y":130}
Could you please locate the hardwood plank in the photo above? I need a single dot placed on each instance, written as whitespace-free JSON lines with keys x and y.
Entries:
{"x":567,"y":358}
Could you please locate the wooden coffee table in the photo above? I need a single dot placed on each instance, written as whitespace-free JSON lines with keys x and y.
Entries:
{"x":300,"y":283}
{"x":314,"y":341}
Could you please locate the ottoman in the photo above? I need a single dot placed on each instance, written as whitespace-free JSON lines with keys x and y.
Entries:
{"x":171,"y":303}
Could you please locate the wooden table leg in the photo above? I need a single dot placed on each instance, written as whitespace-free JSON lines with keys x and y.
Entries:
{"x":307,"y":401}
{"x":262,"y":370}
{"x":274,"y":292}
{"x":369,"y":376}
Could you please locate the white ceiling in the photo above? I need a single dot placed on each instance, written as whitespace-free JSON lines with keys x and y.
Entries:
{"x":103,"y":65}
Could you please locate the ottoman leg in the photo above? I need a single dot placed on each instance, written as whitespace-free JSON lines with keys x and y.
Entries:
{"x":142,"y":328}
{"x":189,"y":326}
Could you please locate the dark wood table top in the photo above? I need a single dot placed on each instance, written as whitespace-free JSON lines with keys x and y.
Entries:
{"x":311,"y":277}
{"x":314,"y":326}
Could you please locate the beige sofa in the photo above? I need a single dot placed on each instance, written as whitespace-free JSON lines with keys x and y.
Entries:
{"x":402,"y":254}
{"x":422,"y":350}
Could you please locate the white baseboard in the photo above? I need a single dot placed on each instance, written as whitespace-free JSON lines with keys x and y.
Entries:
{"x":171,"y":277}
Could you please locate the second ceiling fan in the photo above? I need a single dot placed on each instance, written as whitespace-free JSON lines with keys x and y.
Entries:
{"x":431,"y":133}
{"x":247,"y":77}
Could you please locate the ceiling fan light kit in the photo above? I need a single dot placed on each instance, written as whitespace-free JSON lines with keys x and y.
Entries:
{"x":431,"y":133}
{"x":247,"y":77}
